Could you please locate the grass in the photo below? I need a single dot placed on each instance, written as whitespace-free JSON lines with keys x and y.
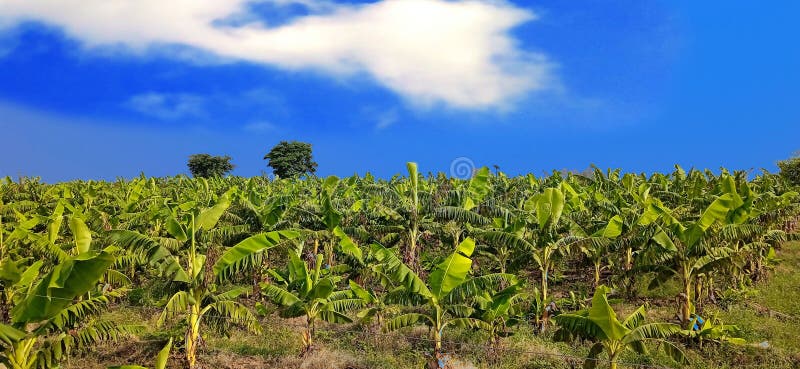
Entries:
{"x":773,"y":314}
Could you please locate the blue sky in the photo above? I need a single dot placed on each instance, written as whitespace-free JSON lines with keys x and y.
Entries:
{"x":90,"y":90}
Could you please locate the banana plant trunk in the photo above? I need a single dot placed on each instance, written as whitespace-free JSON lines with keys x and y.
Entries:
{"x":437,"y":337}
{"x":545,"y":270}
{"x":686,"y":298}
{"x":628,"y":258}
{"x":193,"y":336}
{"x":597,"y":273}
{"x":698,"y":292}
{"x":308,"y":335}
{"x":410,"y":256}
{"x":437,"y":334}
{"x":613,"y":354}
{"x":2,"y":246}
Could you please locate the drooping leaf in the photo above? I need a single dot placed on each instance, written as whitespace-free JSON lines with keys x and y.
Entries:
{"x":407,"y":320}
{"x":549,"y":206}
{"x":347,"y":245}
{"x":361,"y":292}
{"x":614,"y":227}
{"x":603,"y":315}
{"x":334,"y":317}
{"x":398,"y":272}
{"x":322,"y":289}
{"x":652,"y":331}
{"x":73,"y":277}
{"x":80,"y":233}
{"x":10,"y":335}
{"x":279,"y":296}
{"x":239,"y":257}
{"x":177,"y":304}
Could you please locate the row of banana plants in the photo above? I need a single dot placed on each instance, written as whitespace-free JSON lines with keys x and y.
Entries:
{"x":488,"y":253}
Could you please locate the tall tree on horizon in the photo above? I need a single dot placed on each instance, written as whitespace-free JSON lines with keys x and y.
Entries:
{"x":790,"y":168}
{"x":290,"y":159}
{"x":207,"y":166}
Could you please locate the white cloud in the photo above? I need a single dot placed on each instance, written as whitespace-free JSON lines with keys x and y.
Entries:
{"x":167,"y":106}
{"x":459,"y":53}
{"x":386,"y":119}
{"x":262,"y":106}
{"x":260,"y":127}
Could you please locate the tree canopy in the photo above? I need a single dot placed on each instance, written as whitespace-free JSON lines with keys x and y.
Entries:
{"x":207,"y":166}
{"x":291,"y":159}
{"x":790,"y":169}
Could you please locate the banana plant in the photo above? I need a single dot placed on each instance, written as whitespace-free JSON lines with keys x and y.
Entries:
{"x":2,"y":227}
{"x":323,"y":223}
{"x":298,"y":291}
{"x":713,"y":330}
{"x":595,"y":246}
{"x":443,"y":300}
{"x":542,"y":231}
{"x":684,"y":249}
{"x":600,"y":324}
{"x":499,"y":311}
{"x":16,"y":279}
{"x":376,"y":306}
{"x":55,"y":315}
{"x":462,"y":207}
{"x":185,"y":265}
{"x":404,"y":212}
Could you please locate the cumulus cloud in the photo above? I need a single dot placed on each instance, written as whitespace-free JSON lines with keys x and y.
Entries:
{"x":459,"y":53}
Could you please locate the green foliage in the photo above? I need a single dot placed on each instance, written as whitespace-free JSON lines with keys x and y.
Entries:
{"x":444,"y":300}
{"x":63,"y":301}
{"x":312,"y":293}
{"x":290,"y":159}
{"x":209,"y":166}
{"x":205,"y":250}
{"x":790,"y":169}
{"x":600,"y":323}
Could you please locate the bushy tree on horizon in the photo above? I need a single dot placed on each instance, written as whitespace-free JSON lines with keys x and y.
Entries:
{"x":207,"y":166}
{"x":291,"y":159}
{"x":790,"y":168}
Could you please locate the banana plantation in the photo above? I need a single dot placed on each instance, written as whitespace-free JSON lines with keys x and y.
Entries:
{"x":607,"y":270}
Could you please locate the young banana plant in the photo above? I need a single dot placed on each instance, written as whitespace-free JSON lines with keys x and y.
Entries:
{"x":713,"y":330}
{"x":599,"y":323}
{"x":443,"y":300}
{"x":377,"y":306}
{"x":499,"y":311}
{"x":298,"y":291}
